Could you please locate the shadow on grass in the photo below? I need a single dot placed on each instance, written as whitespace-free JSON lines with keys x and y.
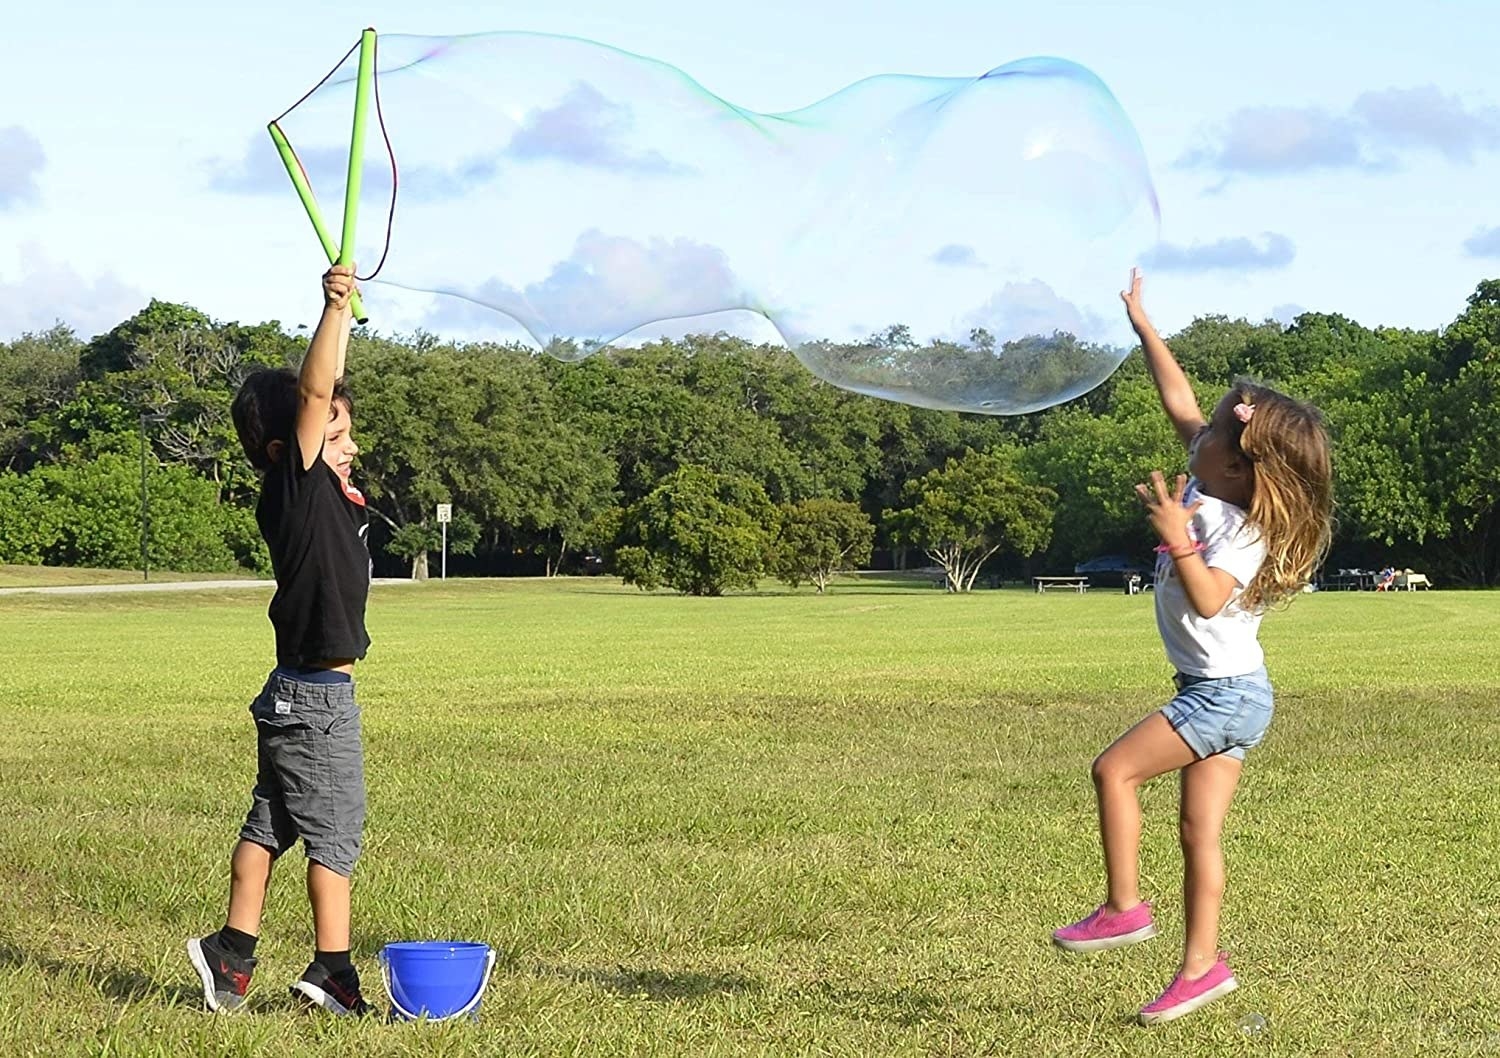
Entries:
{"x":914,"y":1006}
{"x":905,"y":1007}
{"x":119,"y":983}
{"x":657,"y":985}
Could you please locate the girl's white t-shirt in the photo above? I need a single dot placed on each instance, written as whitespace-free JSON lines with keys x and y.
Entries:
{"x":1225,"y":644}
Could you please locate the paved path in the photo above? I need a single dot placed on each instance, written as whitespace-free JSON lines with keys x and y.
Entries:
{"x":165,"y":585}
{"x":160,"y":585}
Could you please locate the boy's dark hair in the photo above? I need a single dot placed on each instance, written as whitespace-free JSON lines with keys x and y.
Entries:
{"x":265,"y":410}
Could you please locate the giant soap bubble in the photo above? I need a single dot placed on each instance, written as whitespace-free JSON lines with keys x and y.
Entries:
{"x":949,"y":242}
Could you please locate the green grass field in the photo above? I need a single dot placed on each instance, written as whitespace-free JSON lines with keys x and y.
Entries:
{"x":772,"y":824}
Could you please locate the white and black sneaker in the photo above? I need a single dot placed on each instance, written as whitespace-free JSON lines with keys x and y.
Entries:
{"x":225,"y":976}
{"x":336,"y":993}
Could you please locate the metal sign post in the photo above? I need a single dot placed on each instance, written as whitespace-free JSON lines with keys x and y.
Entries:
{"x":445,"y":515}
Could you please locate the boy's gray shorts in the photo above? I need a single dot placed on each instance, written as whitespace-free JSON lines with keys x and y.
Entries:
{"x":310,"y":783}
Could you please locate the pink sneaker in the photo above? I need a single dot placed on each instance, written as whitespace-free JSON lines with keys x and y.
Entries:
{"x":1105,"y":929}
{"x":1184,"y":997}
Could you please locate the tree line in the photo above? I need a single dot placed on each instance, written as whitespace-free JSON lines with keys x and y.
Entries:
{"x":705,"y":463}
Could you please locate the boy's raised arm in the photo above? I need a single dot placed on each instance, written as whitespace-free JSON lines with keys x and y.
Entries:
{"x":323,"y":364}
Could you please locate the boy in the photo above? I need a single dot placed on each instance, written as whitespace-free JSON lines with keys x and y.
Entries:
{"x":295,"y":430}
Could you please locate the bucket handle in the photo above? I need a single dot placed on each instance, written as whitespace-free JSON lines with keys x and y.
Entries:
{"x":385,"y":979}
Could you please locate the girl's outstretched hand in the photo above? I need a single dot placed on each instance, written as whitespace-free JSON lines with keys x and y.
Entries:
{"x":1132,"y":298}
{"x":1169,"y":517}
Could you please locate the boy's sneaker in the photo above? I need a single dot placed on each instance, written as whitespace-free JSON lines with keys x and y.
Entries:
{"x":1106,"y":929}
{"x":1184,"y":997}
{"x":336,"y":993}
{"x":225,"y":976}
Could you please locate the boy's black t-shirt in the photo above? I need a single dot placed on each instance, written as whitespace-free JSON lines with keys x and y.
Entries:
{"x":315,"y":529}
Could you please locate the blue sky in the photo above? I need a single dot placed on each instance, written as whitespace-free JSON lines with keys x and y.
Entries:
{"x":1335,"y":156}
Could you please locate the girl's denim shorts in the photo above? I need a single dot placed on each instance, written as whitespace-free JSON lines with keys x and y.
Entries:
{"x":1221,"y":714}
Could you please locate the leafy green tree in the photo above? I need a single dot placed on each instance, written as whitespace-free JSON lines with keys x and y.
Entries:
{"x":446,"y":424}
{"x":1214,"y":350}
{"x":629,"y":400}
{"x":545,"y":456}
{"x":415,"y":541}
{"x":703,"y":401}
{"x":1093,"y":462}
{"x":911,"y":442}
{"x":602,"y":535}
{"x":575,"y":485}
{"x":169,"y":361}
{"x":30,"y":526}
{"x":38,"y":374}
{"x":88,"y":513}
{"x":1389,"y":483}
{"x":1468,"y":436}
{"x":819,"y":538}
{"x":965,"y":512}
{"x":188,"y":376}
{"x":699,"y":532}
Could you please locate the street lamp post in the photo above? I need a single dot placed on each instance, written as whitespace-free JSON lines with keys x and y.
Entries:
{"x":145,"y":498}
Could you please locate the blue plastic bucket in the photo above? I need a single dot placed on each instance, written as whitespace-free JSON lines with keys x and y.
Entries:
{"x":435,"y":979}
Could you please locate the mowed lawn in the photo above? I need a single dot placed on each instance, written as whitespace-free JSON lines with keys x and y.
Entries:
{"x":769,"y":824}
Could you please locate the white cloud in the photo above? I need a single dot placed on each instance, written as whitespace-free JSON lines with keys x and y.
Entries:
{"x":1372,"y":134}
{"x":259,"y":171}
{"x":1425,"y":118}
{"x":1484,"y":243}
{"x":21,"y":159}
{"x":1223,"y":255}
{"x":48,"y":291}
{"x":609,"y":286}
{"x":957,"y":255}
{"x":1271,"y":140}
{"x":1033,"y":308}
{"x":586,"y":129}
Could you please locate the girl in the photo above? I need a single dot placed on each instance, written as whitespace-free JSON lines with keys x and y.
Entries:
{"x":1245,"y":532}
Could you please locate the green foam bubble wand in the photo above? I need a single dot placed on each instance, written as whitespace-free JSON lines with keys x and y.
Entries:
{"x":338,"y":253}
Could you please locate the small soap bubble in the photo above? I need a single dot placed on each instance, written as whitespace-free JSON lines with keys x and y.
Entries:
{"x":1253,"y":1024}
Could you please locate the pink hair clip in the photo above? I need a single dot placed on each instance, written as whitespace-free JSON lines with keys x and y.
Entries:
{"x":1242,"y":412}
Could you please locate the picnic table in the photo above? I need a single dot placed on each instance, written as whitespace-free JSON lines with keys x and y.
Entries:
{"x":1078,"y":584}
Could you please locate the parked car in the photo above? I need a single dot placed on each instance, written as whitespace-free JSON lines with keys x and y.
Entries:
{"x":1114,"y":571}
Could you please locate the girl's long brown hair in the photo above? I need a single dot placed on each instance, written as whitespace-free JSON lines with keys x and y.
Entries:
{"x":1288,"y":449}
